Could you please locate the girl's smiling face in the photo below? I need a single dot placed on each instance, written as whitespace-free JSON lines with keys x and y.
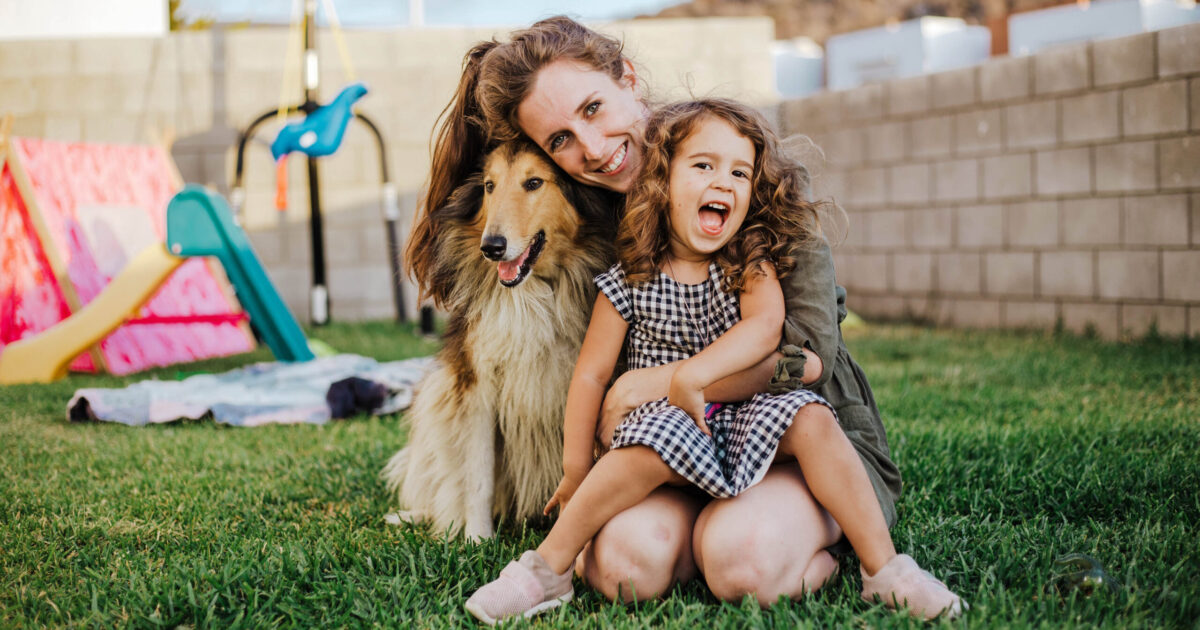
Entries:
{"x":589,"y":124}
{"x":710,"y":188}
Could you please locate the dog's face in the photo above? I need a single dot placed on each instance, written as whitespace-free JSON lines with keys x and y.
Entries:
{"x":526,"y":221}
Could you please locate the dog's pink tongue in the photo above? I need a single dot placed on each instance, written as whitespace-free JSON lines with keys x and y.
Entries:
{"x":510,"y":269}
{"x":711,"y":221}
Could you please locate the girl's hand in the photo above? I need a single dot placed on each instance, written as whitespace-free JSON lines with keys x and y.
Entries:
{"x":566,"y":489}
{"x":688,"y":394}
{"x":631,"y":389}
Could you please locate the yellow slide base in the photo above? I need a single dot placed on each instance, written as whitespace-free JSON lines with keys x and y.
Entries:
{"x":46,"y":356}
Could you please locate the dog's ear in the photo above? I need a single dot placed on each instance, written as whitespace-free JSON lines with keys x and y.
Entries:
{"x":429,"y":255}
{"x":600,"y":209}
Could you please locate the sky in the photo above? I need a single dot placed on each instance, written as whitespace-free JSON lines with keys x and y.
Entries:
{"x":389,"y":13}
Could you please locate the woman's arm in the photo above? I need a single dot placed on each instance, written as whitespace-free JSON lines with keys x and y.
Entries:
{"x":815,"y":306}
{"x":743,"y":346}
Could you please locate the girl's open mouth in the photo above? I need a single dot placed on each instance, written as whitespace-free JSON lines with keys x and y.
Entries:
{"x":512,"y":272}
{"x":712,"y":217}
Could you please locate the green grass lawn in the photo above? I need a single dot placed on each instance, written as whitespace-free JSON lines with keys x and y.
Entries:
{"x":1015,"y":449}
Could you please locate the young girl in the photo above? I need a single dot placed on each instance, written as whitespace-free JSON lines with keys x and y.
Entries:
{"x":708,"y":226}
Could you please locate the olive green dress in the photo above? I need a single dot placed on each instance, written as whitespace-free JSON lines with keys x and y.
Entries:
{"x":816,"y":306}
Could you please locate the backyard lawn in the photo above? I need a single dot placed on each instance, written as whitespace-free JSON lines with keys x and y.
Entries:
{"x":1015,"y":448}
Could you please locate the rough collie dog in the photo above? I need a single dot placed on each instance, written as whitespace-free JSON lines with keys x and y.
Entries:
{"x":511,"y":257}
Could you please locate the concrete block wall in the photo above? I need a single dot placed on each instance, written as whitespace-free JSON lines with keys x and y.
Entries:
{"x":207,"y":86}
{"x":1023,"y":192}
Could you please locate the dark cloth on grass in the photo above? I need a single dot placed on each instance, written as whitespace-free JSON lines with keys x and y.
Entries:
{"x":816,"y":306}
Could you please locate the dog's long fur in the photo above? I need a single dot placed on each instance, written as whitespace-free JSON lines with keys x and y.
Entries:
{"x":486,"y":426}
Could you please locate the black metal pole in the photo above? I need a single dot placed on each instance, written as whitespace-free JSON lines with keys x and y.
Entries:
{"x":318,"y":310}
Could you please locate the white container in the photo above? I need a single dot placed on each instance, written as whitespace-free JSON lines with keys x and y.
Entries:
{"x":910,"y":48}
{"x":1036,"y":30}
{"x":799,"y":67}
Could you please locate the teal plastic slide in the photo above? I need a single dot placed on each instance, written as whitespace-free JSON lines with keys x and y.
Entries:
{"x":199,"y":223}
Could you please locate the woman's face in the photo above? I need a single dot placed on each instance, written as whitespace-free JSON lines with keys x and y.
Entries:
{"x":589,"y":124}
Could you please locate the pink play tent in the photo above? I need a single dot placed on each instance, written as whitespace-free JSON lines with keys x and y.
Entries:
{"x":71,"y":216}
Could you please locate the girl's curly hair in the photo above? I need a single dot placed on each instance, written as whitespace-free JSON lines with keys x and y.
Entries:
{"x":779,"y":218}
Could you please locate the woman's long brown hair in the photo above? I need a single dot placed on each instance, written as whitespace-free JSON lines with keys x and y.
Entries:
{"x":779,"y":218}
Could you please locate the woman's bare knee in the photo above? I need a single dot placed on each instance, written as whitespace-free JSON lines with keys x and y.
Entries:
{"x":645,"y":550}
{"x":762,"y":542}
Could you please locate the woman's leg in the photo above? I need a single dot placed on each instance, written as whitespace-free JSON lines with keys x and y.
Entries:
{"x":645,"y":550}
{"x":768,"y":541}
{"x":839,"y":482}
{"x":619,"y":480}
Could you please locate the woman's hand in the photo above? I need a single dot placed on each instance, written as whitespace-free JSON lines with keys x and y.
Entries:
{"x":687,"y":393}
{"x":563,"y":493}
{"x":631,"y":389}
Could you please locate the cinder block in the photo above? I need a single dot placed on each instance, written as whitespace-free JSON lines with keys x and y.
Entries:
{"x":1033,"y":224}
{"x":888,"y":228}
{"x":343,"y":245}
{"x":18,"y":96}
{"x":956,"y":180}
{"x":855,"y":234}
{"x":1029,"y":125}
{"x":1063,"y":172}
{"x":1091,"y":221}
{"x":887,"y":142}
{"x":1195,"y":214}
{"x":1194,"y":99}
{"x":1194,"y":322}
{"x":1009,"y":273}
{"x":1179,"y":162}
{"x":885,"y":308}
{"x":1005,"y":78}
{"x":912,"y":272}
{"x":1155,"y":108}
{"x":63,"y":128}
{"x":1126,"y":167}
{"x":976,"y":313}
{"x":1128,"y":275}
{"x":798,"y":116}
{"x":1181,"y":275}
{"x":1066,"y":274}
{"x":1007,"y":176}
{"x":108,"y":56}
{"x":1062,"y":69}
{"x":268,"y":244}
{"x":978,"y":131}
{"x":909,"y":95}
{"x":1092,"y":116}
{"x":864,"y":103}
{"x":29,"y":59}
{"x":846,"y":146}
{"x":1177,"y":50}
{"x":1138,"y":319}
{"x":959,"y":273}
{"x":869,"y":272}
{"x":954,"y":88}
{"x":1101,"y":318}
{"x":830,"y":185}
{"x":1157,"y":220}
{"x":359,"y":282}
{"x":1124,"y":59}
{"x":867,"y":187}
{"x":931,"y":137}
{"x":112,"y":128}
{"x":932,"y":228}
{"x":979,"y":226}
{"x":1030,"y":315}
{"x":910,"y":183}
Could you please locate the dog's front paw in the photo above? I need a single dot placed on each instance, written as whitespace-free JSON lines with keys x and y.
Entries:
{"x":478,"y":530}
{"x":401,"y":517}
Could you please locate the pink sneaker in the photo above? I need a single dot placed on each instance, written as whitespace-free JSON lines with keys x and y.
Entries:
{"x":901,"y":583}
{"x":526,"y":587}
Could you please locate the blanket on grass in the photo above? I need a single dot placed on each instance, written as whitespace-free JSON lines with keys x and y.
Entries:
{"x":311,"y":392}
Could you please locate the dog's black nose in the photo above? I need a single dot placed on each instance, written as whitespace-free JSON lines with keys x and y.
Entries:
{"x":494,"y":246}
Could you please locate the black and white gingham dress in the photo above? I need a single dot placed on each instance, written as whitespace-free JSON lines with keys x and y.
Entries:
{"x":745,"y":435}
